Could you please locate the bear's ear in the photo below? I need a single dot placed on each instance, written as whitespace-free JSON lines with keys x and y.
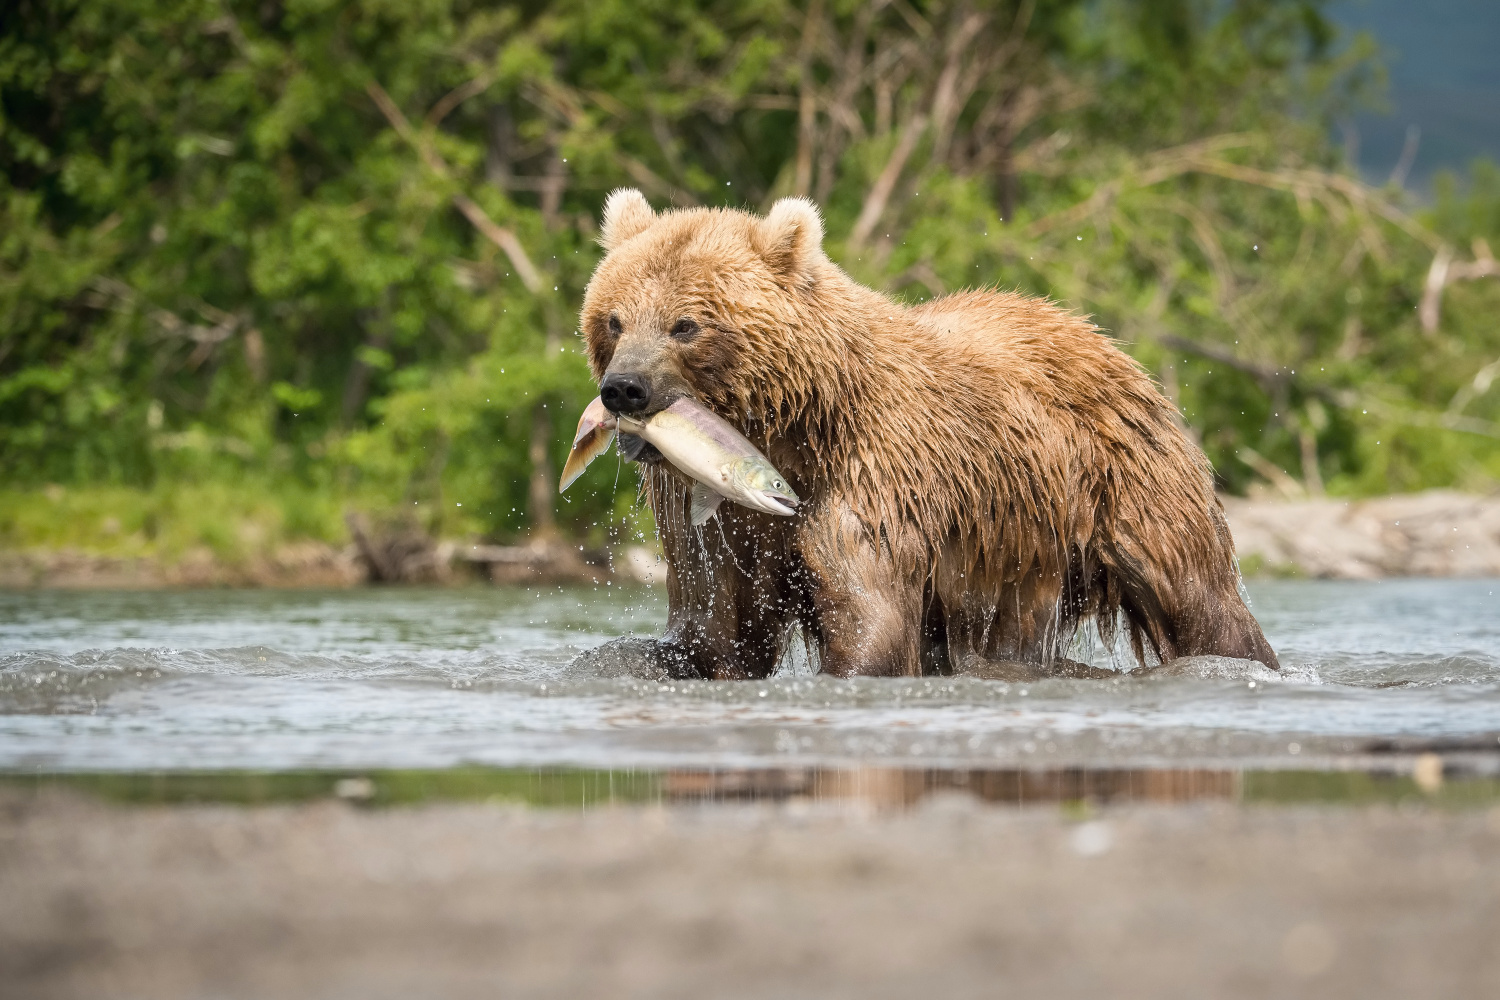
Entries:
{"x":791,"y":237}
{"x":626,"y":214}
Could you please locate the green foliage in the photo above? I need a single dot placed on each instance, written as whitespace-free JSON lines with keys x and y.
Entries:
{"x":226,"y":266}
{"x":234,"y":519}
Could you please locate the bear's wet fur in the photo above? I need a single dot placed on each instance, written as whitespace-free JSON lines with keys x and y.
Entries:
{"x":980,"y":474}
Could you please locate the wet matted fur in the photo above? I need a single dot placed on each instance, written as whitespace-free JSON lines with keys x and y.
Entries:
{"x":980,"y":474}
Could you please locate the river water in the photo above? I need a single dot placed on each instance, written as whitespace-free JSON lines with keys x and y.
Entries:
{"x":391,"y":678}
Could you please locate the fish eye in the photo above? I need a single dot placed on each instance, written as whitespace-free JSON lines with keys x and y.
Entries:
{"x":615,"y":326}
{"x":684,"y":328}
{"x":779,"y":485}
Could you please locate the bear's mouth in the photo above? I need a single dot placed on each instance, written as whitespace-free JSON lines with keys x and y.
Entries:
{"x":634,"y":448}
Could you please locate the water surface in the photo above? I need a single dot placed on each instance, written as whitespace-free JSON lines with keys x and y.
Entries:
{"x":393,"y":679}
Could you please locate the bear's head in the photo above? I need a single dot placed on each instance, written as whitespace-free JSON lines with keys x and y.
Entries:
{"x":697,"y":302}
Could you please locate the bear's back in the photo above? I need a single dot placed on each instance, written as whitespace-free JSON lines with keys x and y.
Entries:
{"x":1049,"y":353}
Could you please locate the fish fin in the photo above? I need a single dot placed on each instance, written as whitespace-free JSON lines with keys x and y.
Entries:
{"x":595,"y":416}
{"x":632,"y":446}
{"x":705,"y":504}
{"x":588,"y":447}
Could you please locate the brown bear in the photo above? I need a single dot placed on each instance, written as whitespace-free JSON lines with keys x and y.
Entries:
{"x":980,"y":474}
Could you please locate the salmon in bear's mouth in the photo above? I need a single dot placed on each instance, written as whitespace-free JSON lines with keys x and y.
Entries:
{"x":720,"y":462}
{"x":633,"y":447}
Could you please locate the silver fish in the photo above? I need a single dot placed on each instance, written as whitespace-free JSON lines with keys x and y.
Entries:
{"x":703,"y":446}
{"x":721,"y":460}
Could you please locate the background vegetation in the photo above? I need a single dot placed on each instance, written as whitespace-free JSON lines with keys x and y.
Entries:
{"x":263,"y":263}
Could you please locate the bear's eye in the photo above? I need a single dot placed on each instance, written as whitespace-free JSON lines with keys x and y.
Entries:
{"x":684,"y":328}
{"x":615,"y":328}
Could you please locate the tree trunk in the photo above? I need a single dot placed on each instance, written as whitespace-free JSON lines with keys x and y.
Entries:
{"x":541,"y":494}
{"x":1007,"y":187}
{"x":1312,"y":478}
{"x":497,"y":157}
{"x":806,"y":103}
{"x":357,"y":385}
{"x":555,"y":183}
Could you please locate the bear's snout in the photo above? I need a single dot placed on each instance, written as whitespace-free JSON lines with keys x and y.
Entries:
{"x":625,"y":393}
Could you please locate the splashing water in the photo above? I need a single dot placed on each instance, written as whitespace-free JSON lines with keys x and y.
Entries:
{"x":433,"y":678}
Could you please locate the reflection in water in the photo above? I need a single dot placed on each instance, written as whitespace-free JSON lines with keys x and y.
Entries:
{"x":1472,"y":780}
{"x":898,"y":788}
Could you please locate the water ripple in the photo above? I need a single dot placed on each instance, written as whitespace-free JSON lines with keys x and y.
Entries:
{"x":435,"y":678}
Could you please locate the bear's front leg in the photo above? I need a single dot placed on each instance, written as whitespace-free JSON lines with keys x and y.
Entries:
{"x":867,"y":616}
{"x":731,"y":589}
{"x":711,"y":629}
{"x":633,"y":656}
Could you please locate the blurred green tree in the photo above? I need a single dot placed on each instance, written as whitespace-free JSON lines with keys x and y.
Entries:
{"x":335,"y":250}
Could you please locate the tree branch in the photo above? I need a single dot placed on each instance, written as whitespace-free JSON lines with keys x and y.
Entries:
{"x":497,"y":234}
{"x":880,"y":191}
{"x":1444,"y":272}
{"x":503,"y":238}
{"x":1222,"y":355}
{"x":457,"y":96}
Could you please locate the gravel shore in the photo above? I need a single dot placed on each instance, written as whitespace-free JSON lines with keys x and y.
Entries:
{"x":953,"y":899}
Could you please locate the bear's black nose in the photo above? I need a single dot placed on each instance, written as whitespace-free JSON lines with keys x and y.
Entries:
{"x":625,"y":393}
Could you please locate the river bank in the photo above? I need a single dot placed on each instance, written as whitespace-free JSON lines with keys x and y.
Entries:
{"x":1438,"y":533}
{"x":953,"y":899}
{"x":319,"y":565}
